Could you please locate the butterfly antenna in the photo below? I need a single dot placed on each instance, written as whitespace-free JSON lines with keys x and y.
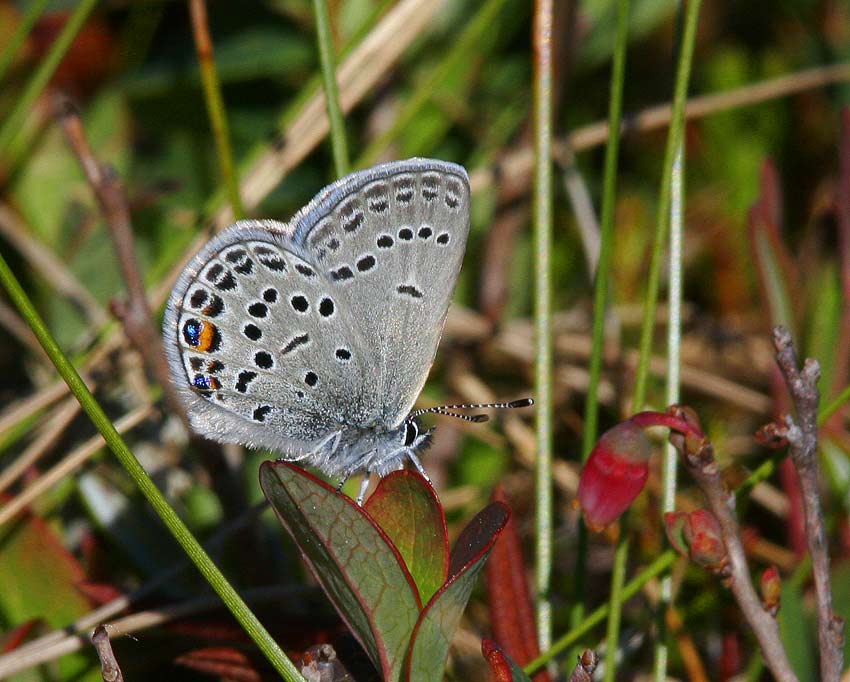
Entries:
{"x":444,"y":409}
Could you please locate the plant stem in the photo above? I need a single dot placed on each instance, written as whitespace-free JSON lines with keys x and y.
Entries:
{"x":674,"y":337}
{"x":674,"y":138}
{"x":215,"y":104}
{"x":462,"y":46}
{"x":326,"y":56}
{"x":13,"y":123}
{"x":178,"y":529}
{"x":803,"y":447}
{"x":656,"y":568}
{"x":703,"y":467}
{"x":542,"y":40}
{"x":616,"y":599}
{"x":603,"y":274}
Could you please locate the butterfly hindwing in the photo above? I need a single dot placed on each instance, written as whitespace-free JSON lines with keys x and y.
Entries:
{"x":258,"y":346}
{"x":392,"y":247}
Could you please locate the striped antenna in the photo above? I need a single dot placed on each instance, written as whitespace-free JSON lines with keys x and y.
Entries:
{"x":443,"y":409}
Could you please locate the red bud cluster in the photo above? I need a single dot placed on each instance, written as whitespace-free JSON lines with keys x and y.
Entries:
{"x":771,"y":589}
{"x":697,"y":535}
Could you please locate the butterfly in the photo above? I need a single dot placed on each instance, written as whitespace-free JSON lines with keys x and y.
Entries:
{"x":314,"y":338}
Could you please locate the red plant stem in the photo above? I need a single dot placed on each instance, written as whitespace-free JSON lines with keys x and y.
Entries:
{"x":802,"y":447}
{"x":705,"y":470}
{"x":671,"y":421}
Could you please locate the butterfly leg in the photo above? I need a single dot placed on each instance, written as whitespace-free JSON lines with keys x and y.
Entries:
{"x":364,"y":486}
{"x":416,"y":463}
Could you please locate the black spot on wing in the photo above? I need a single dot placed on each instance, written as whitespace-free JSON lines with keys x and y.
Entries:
{"x":409,"y":290}
{"x":245,"y":377}
{"x":294,"y":343}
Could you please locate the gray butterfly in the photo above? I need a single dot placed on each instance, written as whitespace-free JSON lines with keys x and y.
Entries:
{"x":313,"y":338}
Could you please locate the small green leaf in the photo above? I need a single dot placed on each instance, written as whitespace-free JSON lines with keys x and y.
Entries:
{"x":406,"y":507}
{"x":429,"y":646}
{"x":797,"y":632}
{"x":355,"y":563}
{"x":39,"y":578}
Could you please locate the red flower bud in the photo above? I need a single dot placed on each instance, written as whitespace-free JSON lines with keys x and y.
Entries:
{"x":705,"y":540}
{"x":614,"y":474}
{"x":771,"y":589}
{"x":697,"y":536}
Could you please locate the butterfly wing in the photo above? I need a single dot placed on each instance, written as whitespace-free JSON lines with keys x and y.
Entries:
{"x":282,"y":335}
{"x":258,"y":350}
{"x":391,"y":245}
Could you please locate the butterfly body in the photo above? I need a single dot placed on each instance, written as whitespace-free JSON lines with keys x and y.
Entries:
{"x":313,"y":338}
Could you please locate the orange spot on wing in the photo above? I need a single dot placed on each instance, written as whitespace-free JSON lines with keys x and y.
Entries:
{"x":205,"y":340}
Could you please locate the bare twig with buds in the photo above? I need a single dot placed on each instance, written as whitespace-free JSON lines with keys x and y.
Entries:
{"x":698,"y":455}
{"x":802,"y":438}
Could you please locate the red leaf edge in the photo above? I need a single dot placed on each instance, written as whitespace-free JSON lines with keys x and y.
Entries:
{"x":456,"y":574}
{"x":268,"y":464}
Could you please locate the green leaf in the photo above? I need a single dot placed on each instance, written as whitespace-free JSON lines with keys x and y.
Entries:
{"x":39,"y":578}
{"x":353,"y":560}
{"x":429,"y":646}
{"x":406,"y":507}
{"x":797,"y":632}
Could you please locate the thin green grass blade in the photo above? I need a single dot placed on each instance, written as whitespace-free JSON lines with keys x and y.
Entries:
{"x":178,"y":529}
{"x":543,"y":19}
{"x":215,"y":105}
{"x":14,"y":122}
{"x":326,"y":56}
{"x":34,"y":11}
{"x":674,"y":141}
{"x":603,"y":274}
{"x":656,"y":568}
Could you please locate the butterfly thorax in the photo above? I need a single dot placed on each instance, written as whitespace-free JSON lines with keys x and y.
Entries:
{"x":375,"y":450}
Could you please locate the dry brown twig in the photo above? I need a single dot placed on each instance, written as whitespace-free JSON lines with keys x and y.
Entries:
{"x":702,"y":465}
{"x":110,"y":671}
{"x":802,"y":438}
{"x":135,"y":312}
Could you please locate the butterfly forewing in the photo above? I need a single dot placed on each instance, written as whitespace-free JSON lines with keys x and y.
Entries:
{"x":392,"y":249}
{"x":280,"y":336}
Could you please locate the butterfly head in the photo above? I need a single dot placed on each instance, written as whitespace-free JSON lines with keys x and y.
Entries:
{"x":413,"y":436}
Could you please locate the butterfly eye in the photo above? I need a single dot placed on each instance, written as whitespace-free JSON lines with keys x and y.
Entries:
{"x":411,"y":430}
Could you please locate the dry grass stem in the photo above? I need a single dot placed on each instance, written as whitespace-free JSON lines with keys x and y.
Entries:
{"x":72,"y":638}
{"x":49,"y":266}
{"x":111,"y":197}
{"x":515,"y":168}
{"x":47,"y":437}
{"x":70,"y":463}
